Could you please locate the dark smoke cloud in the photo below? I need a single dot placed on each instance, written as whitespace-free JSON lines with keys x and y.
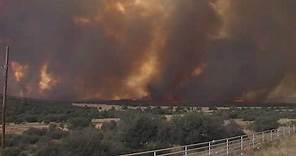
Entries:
{"x":254,"y":57}
{"x":233,"y":68}
{"x":87,"y":59}
{"x":93,"y":49}
{"x":270,"y":26}
{"x":190,"y":27}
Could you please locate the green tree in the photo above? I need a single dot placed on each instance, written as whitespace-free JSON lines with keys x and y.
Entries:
{"x":12,"y":151}
{"x":263,"y":123}
{"x":142,"y":132}
{"x":87,"y":142}
{"x":197,"y":127}
{"x":79,"y":122}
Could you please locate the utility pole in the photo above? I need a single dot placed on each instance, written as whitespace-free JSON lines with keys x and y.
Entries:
{"x":5,"y":68}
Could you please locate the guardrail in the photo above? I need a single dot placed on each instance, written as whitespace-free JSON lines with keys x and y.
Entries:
{"x":223,"y":147}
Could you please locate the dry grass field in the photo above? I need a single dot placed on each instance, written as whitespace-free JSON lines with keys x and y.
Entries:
{"x":20,"y":128}
{"x":285,"y":147}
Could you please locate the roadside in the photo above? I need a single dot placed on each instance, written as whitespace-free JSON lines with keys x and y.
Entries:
{"x":284,"y":147}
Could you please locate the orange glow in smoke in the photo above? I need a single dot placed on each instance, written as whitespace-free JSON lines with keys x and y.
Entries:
{"x":115,"y":15}
{"x":138,"y":81}
{"x":198,"y":71}
{"x":120,"y":7}
{"x":19,"y":70}
{"x":82,"y":21}
{"x":47,"y":80}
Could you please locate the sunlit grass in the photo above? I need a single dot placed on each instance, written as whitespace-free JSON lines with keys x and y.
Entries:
{"x":285,"y":147}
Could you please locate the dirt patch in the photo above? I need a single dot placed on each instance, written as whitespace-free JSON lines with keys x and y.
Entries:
{"x":20,"y":128}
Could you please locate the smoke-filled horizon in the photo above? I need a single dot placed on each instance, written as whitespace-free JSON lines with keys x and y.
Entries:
{"x":158,"y":49}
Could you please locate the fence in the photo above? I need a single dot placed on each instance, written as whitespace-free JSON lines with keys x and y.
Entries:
{"x":224,"y":147}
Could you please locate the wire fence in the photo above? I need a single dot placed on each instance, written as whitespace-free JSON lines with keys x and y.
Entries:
{"x":225,"y":147}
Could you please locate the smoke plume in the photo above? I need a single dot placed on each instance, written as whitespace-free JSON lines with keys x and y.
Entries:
{"x":161,"y":49}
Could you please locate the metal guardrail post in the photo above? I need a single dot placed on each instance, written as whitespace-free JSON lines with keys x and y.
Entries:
{"x":253,"y":140}
{"x":244,"y":144}
{"x":209,"y":148}
{"x":227,"y":147}
{"x":241,"y":143}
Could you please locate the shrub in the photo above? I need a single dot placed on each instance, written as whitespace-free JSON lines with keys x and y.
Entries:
{"x":49,"y":150}
{"x":30,"y":139}
{"x":264,"y":123}
{"x":13,"y":140}
{"x":124,"y":107}
{"x":180,"y":109}
{"x":35,"y":131}
{"x":13,"y":151}
{"x":30,"y":118}
{"x":142,"y":131}
{"x":86,"y":142}
{"x":197,"y":127}
{"x":56,"y":134}
{"x":79,"y":122}
{"x":109,"y":126}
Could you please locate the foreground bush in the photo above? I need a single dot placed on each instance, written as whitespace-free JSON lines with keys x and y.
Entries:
{"x":263,"y":123}
{"x":134,"y":132}
{"x":13,"y":151}
{"x":196,"y":127}
{"x":85,"y":142}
